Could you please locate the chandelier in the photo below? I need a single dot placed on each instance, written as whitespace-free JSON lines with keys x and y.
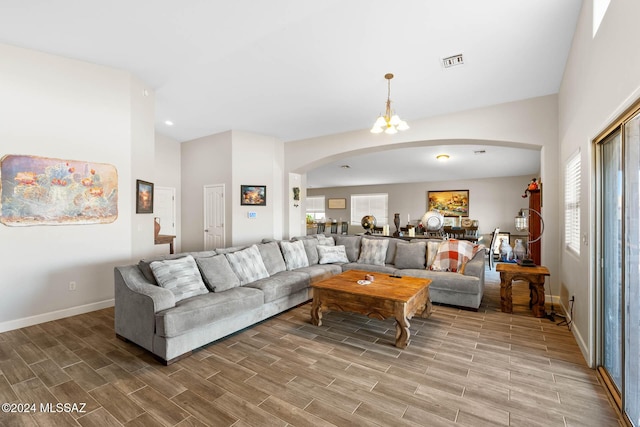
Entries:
{"x":388,"y":123}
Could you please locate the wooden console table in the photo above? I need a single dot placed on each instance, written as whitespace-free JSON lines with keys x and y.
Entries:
{"x":535,"y":276}
{"x":162,"y":239}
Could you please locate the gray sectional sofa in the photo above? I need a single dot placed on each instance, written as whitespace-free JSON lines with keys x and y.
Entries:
{"x":174,"y":304}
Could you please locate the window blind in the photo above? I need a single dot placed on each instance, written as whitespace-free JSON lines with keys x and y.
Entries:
{"x":370,"y":204}
{"x":572,"y":203}
{"x":315,"y":204}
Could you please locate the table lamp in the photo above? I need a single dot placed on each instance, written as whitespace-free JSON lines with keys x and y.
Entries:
{"x":522,"y":224}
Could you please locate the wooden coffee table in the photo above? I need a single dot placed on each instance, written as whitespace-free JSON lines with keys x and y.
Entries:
{"x":385,"y":297}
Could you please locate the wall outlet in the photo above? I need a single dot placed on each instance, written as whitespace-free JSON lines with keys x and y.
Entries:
{"x":72,"y":286}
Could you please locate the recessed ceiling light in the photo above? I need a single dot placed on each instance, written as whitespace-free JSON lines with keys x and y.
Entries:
{"x":345,"y":167}
{"x":168,"y":122}
{"x":479,"y":152}
{"x":442,"y":157}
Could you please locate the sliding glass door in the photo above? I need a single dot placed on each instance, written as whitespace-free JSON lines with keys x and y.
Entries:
{"x":631,"y":395}
{"x":618,"y":186}
{"x":611,"y":202}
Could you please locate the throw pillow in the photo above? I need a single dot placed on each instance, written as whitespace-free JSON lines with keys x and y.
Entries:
{"x":453,"y":254}
{"x":294,"y":254}
{"x":411,"y":255}
{"x":373,"y":251}
{"x":351,"y":245}
{"x":272,"y":257}
{"x":181,"y":276}
{"x":248,"y":265}
{"x":217,"y":273}
{"x":332,"y":254}
{"x":432,"y":250}
{"x":324,"y":240}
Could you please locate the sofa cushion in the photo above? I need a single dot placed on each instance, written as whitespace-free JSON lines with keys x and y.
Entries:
{"x":325,"y":241}
{"x":373,"y":251}
{"x":217,"y":273}
{"x":411,"y":255}
{"x":281,"y":285}
{"x":181,"y":276}
{"x":331,"y":254}
{"x":445,"y":281}
{"x":453,"y":254}
{"x":321,"y":271}
{"x":272,"y":257}
{"x":310,"y":248}
{"x":248,"y":265}
{"x":294,"y":254}
{"x":145,"y":264}
{"x":194,"y":313}
{"x":351,"y":245}
{"x":387,"y":269}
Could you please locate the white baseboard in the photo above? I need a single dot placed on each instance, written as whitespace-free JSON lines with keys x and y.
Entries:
{"x":54,"y":315}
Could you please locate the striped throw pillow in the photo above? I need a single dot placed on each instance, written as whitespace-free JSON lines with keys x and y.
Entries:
{"x":181,"y":276}
{"x":294,"y":254}
{"x":248,"y":265}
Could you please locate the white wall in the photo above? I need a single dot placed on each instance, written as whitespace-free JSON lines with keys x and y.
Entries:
{"x":204,"y":161}
{"x":257,"y":160}
{"x":232,"y":158}
{"x":494,"y":202}
{"x":531,"y":123}
{"x":167,"y":174}
{"x":61,"y":108}
{"x":601,"y":80}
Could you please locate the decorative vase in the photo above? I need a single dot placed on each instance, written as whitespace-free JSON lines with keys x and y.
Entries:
{"x":396,"y":222}
{"x":506,"y":253}
{"x":156,"y":227}
{"x":519,"y":250}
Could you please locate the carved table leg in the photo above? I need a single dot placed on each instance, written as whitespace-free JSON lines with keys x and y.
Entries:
{"x":316,"y":312}
{"x":428,"y":308}
{"x":537,"y":299}
{"x":402,"y":328}
{"x":506,"y":301}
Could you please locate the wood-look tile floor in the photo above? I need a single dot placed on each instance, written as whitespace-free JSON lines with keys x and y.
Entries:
{"x":461,"y":368}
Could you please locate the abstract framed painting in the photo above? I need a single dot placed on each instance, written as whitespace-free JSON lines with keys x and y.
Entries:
{"x":48,"y":191}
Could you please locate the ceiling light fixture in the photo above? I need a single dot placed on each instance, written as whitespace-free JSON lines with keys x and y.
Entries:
{"x":442,"y":157}
{"x":388,"y":123}
{"x":168,"y":123}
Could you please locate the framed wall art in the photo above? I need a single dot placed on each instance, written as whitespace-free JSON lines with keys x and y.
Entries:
{"x":337,"y":203}
{"x":449,"y":202}
{"x":144,"y":196}
{"x":253,"y":195}
{"x":46,"y":191}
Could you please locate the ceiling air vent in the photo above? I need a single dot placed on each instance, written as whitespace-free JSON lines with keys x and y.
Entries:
{"x":452,"y":61}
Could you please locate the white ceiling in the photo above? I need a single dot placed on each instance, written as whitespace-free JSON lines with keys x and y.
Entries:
{"x":419,"y":164}
{"x":297,"y":69}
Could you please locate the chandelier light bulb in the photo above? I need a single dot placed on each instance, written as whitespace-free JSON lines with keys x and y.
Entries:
{"x":388,"y":123}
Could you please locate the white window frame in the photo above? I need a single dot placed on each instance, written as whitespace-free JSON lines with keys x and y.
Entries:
{"x":315,"y":206}
{"x":376,"y":204}
{"x":572,"y":203}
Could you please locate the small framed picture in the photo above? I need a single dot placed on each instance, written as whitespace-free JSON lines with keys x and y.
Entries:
{"x":144,"y":196}
{"x":337,"y":203}
{"x":253,"y":195}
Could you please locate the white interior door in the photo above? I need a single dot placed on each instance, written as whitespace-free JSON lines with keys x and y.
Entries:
{"x":165,"y":208}
{"x":214,"y":233}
